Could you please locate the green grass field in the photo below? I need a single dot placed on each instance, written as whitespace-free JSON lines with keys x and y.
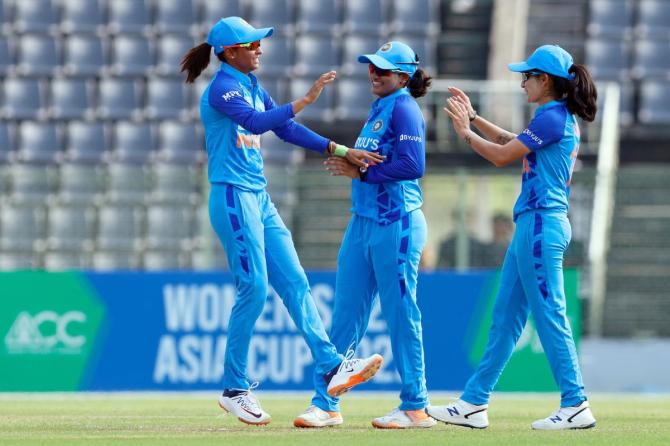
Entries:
{"x":174,"y":419}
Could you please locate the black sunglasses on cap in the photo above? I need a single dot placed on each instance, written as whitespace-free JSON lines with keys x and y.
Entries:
{"x":528,"y":74}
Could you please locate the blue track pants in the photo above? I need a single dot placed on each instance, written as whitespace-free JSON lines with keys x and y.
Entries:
{"x":532,"y":280}
{"x":259,"y":248}
{"x":383,"y":261}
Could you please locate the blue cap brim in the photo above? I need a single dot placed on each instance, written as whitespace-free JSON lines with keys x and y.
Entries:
{"x":520,"y":67}
{"x":377,"y":61}
{"x":258,"y":34}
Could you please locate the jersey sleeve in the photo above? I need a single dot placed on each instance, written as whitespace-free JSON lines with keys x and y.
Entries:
{"x":295,"y":133}
{"x":545,"y":129}
{"x":409,"y":157}
{"x":227,"y":98}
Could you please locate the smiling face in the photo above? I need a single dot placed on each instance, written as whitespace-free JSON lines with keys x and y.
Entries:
{"x":245,"y":59}
{"x":386,"y":82}
{"x":537,"y":87}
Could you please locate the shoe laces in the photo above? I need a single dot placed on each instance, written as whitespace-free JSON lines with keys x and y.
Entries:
{"x":348,"y":363}
{"x":248,"y":400}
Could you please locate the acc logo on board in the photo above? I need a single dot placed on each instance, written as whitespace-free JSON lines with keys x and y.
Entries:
{"x":385,"y":47}
{"x":377,"y":125}
{"x":46,"y":332}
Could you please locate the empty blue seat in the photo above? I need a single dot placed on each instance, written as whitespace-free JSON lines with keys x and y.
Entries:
{"x":118,"y":98}
{"x":314,"y":55}
{"x":114,"y":261}
{"x":37,"y":55}
{"x":85,"y":142}
{"x":424,"y":47}
{"x":365,"y":17}
{"x":322,"y":109}
{"x":276,"y":13}
{"x":212,"y":12}
{"x":178,"y":142}
{"x":132,"y":142}
{"x":169,"y":53}
{"x":83,"y":55}
{"x":24,"y":99}
{"x":175,"y":16}
{"x":5,"y":57}
{"x":166,"y":98}
{"x":79,"y":184}
{"x":415,"y":17}
{"x":69,"y":227}
{"x":30,"y":184}
{"x":653,"y":18}
{"x":651,"y":59}
{"x":352,"y":47}
{"x":275,"y":87}
{"x":130,"y":56}
{"x":277,"y":58}
{"x":6,"y":147}
{"x":318,"y":16}
{"x":81,"y":16}
{"x":34,"y":16}
{"x":654,"y":100}
{"x":39,"y":142}
{"x":354,"y":97}
{"x":607,"y":59}
{"x":70,"y":98}
{"x":608,"y":19}
{"x":168,"y":227}
{"x":119,"y":228}
{"x":22,"y":226}
{"x":174,"y":184}
{"x":128,"y":16}
{"x":127,"y":183}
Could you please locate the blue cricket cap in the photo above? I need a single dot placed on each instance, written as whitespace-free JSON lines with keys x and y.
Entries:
{"x":550,"y":59}
{"x":233,"y":30}
{"x":394,"y":56}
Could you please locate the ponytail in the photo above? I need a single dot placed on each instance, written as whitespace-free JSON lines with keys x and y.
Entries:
{"x":419,"y":83}
{"x":195,"y":61}
{"x":580,"y":93}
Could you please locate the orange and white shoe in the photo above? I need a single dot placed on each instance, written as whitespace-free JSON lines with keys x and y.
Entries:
{"x":404,"y":419}
{"x":316,"y":417}
{"x":353,"y":372}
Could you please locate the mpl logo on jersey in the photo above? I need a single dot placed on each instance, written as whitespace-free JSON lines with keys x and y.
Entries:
{"x":47,"y":332}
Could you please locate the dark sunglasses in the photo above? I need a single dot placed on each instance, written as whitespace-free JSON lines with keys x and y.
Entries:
{"x":380,"y":72}
{"x":251,"y":46}
{"x":528,"y":74}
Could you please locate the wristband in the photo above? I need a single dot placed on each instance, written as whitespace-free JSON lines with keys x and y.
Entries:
{"x":340,"y":150}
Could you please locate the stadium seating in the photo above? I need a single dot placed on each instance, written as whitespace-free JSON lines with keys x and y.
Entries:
{"x":365,"y":18}
{"x":83,"y":55}
{"x":118,"y":98}
{"x":608,"y":20}
{"x":23,"y":99}
{"x":34,"y":16}
{"x":128,"y":16}
{"x":85,"y":142}
{"x":70,"y":99}
{"x":81,"y":16}
{"x":175,"y":16}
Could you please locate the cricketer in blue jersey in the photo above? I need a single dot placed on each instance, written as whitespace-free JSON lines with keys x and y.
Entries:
{"x":235,"y":110}
{"x":532,"y":272}
{"x":382,"y":246}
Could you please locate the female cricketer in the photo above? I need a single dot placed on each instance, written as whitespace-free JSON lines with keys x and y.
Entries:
{"x":235,"y":111}
{"x":532,"y":272}
{"x":383,"y":242}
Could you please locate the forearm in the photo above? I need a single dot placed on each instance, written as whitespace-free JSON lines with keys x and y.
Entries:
{"x":298,"y":105}
{"x":492,"y":132}
{"x":298,"y":134}
{"x":490,"y":151}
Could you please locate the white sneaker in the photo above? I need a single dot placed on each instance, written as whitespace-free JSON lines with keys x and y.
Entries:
{"x":353,"y":372}
{"x":461,"y":413}
{"x":404,"y":419}
{"x":575,"y":417}
{"x":245,"y":407}
{"x":316,"y":417}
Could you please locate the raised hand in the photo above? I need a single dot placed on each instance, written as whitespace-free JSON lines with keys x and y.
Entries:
{"x":314,"y":92}
{"x":463,"y":98}
{"x":458,"y":113}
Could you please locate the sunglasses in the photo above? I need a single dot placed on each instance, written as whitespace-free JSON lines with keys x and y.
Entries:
{"x":528,"y":74}
{"x":251,"y":46}
{"x":380,"y":72}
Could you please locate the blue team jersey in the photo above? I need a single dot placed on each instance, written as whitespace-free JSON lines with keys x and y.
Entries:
{"x":553,"y":140}
{"x":235,"y":110}
{"x":395,"y":127}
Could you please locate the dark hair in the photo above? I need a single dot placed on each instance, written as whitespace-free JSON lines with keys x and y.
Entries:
{"x":419,"y":83}
{"x":580,"y":92}
{"x":196,"y":60}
